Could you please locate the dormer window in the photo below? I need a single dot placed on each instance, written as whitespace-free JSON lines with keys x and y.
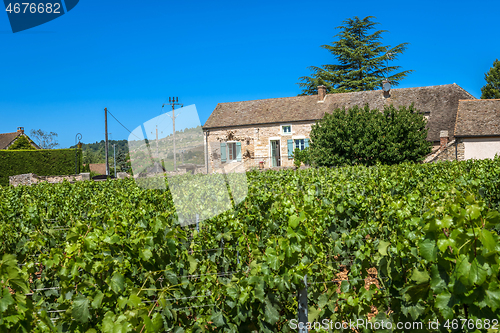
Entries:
{"x":286,"y":129}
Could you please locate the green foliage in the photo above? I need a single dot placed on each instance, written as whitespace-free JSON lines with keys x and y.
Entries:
{"x":22,"y":143}
{"x":51,"y":162}
{"x":492,"y":88}
{"x":301,"y":156}
{"x":364,"y":136}
{"x":116,"y":258}
{"x":361,"y":61}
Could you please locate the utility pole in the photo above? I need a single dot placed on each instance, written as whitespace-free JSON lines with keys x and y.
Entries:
{"x":114,"y":158}
{"x":106,"y":142}
{"x":174,"y":101}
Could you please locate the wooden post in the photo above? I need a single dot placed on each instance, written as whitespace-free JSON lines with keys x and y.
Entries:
{"x":106,"y":139}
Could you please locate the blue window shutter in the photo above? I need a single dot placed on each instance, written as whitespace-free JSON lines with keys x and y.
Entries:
{"x":238,"y":151}
{"x":290,"y":148}
{"x":306,"y":143}
{"x":223,"y":152}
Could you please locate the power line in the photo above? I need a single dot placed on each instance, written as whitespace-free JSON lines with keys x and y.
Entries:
{"x":123,"y":126}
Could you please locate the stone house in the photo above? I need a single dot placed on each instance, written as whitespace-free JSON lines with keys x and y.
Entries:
{"x":8,"y":139}
{"x":264,"y":133}
{"x":477,"y":131}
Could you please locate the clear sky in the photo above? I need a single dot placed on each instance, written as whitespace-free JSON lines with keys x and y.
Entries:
{"x":130,"y":56}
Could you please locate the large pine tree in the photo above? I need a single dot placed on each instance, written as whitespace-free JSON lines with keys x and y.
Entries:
{"x":492,"y":88}
{"x":361,"y":61}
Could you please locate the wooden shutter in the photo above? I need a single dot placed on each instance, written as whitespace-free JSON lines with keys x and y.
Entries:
{"x":223,"y":152}
{"x":306,"y":143}
{"x":238,"y":151}
{"x":290,"y":148}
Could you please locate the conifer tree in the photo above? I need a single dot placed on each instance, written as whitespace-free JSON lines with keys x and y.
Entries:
{"x":362,"y":61}
{"x":492,"y":88}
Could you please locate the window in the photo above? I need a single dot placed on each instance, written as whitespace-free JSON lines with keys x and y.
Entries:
{"x":286,"y":129}
{"x":296,"y":144}
{"x":231,"y":148}
{"x":230,"y":152}
{"x":300,"y":144}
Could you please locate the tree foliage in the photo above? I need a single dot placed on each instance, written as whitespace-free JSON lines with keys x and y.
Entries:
{"x":492,"y":88}
{"x":44,"y":140}
{"x":22,"y":143}
{"x":361,"y":61}
{"x":364,"y":136}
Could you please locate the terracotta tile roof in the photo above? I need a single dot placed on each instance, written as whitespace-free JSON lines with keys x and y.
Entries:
{"x":7,"y":138}
{"x":479,"y":117}
{"x":99,"y":168}
{"x":440,"y":102}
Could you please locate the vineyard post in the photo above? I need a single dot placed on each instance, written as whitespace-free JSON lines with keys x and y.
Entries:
{"x":302,"y":299}
{"x":198,"y":222}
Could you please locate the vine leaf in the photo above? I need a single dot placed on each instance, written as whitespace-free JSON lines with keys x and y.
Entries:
{"x":117,"y":282}
{"x":81,"y":309}
{"x":428,"y":249}
{"x":382,"y":247}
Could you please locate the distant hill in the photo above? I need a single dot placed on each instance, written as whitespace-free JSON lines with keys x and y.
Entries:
{"x":94,"y":152}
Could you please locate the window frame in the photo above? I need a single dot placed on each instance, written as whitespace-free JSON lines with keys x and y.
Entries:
{"x":234,"y":151}
{"x":303,"y":143}
{"x":282,"y":129}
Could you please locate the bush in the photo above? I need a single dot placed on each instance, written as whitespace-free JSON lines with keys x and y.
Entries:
{"x":363,"y":136}
{"x":50,"y":162}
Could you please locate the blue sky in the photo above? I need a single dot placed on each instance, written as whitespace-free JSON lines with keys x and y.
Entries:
{"x":130,"y":56}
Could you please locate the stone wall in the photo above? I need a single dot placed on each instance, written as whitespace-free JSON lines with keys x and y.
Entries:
{"x":31,"y":178}
{"x":255,"y":144}
{"x":448,"y":153}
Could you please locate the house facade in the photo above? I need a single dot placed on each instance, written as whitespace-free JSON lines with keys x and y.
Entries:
{"x":477,"y":131}
{"x":264,"y":133}
{"x":8,"y":139}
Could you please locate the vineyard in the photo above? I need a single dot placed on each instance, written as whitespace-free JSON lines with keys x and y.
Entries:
{"x":406,"y":243}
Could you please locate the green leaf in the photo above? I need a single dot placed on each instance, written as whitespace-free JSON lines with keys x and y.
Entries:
{"x":145,"y":254}
{"x":80,"y":311}
{"x":493,"y":296}
{"x":463,"y":270}
{"x":438,"y":284}
{"x":344,"y":286}
{"x":294,"y":221}
{"x":117,"y":282}
{"x":193,"y":264}
{"x":6,"y":300}
{"x":477,"y":273}
{"x":444,"y":305}
{"x":428,"y":249}
{"x":420,"y":276}
{"x":488,"y":240}
{"x":271,"y":314}
{"x":134,"y":300}
{"x":218,"y":319}
{"x":382,"y":247}
{"x":96,"y":303}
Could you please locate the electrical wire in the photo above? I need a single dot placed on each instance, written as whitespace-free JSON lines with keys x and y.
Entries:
{"x":123,"y":125}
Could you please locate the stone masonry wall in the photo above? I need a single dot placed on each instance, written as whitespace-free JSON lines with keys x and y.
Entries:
{"x":31,"y":178}
{"x":255,"y":144}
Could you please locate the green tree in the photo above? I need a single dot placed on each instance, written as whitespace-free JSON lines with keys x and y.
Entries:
{"x":44,"y":140}
{"x":492,"y":88}
{"x":361,"y":61}
{"x":364,"y":136}
{"x":22,"y":143}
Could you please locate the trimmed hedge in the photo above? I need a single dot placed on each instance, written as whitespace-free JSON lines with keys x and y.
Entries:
{"x":48,"y":162}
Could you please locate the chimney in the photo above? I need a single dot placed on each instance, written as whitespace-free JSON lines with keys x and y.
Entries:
{"x":21,"y":130}
{"x":443,"y":139}
{"x":386,"y":87}
{"x":321,"y":92}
